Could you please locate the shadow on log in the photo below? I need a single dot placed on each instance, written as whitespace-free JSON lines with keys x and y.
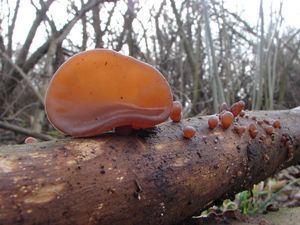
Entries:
{"x":153,"y":177}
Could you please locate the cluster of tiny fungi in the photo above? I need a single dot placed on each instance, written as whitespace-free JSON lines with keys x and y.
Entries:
{"x":225,"y":119}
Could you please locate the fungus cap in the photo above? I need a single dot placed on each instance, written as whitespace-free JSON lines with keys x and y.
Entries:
{"x":98,"y":90}
{"x":189,"y":132}
{"x":176,"y":111}
{"x":226,"y":119}
{"x":213,"y":121}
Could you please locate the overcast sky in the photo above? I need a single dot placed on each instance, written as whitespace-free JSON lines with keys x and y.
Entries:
{"x":248,"y":9}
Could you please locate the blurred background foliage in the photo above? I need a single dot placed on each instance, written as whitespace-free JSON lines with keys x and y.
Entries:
{"x":208,"y":53}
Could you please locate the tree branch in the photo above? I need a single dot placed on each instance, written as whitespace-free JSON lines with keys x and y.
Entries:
{"x":146,"y":178}
{"x":40,"y":16}
{"x":11,"y":28}
{"x":24,"y":76}
{"x":21,"y":130}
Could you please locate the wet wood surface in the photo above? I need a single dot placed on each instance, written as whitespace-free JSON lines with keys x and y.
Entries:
{"x":149,"y":177}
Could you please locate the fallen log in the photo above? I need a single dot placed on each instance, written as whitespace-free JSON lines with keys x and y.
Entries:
{"x":149,"y":177}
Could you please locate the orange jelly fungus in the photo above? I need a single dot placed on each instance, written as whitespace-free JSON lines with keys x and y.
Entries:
{"x":98,"y":90}
{"x":224,"y":107}
{"x":30,"y":140}
{"x":242,"y":103}
{"x":242,"y":113}
{"x":276,"y":124}
{"x":237,"y":107}
{"x":269,"y":130}
{"x":239,"y":129}
{"x":213,"y":121}
{"x":189,"y":132}
{"x":252,"y":130}
{"x":175,"y":114}
{"x":226,"y":119}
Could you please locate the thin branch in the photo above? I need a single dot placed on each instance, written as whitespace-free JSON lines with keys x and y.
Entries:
{"x":217,"y":84}
{"x":28,"y":132}
{"x":9,"y":104}
{"x":11,"y":28}
{"x":109,"y":18}
{"x":96,"y":25}
{"x":40,"y":16}
{"x":24,"y":76}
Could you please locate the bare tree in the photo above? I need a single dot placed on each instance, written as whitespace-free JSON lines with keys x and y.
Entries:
{"x":194,"y":62}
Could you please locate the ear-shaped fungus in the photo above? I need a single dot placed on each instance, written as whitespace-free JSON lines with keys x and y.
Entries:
{"x":213,"y":121}
{"x":226,"y":119}
{"x":176,"y":113}
{"x":98,"y":90}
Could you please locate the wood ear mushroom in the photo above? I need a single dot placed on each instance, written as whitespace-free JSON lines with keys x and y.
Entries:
{"x":98,"y":90}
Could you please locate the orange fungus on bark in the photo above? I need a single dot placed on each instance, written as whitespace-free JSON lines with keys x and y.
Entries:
{"x":276,"y":124}
{"x":98,"y":90}
{"x":226,"y":119}
{"x":252,"y":130}
{"x":30,"y":140}
{"x":175,"y":114}
{"x":189,"y":132}
{"x":213,"y":121}
{"x":237,"y":107}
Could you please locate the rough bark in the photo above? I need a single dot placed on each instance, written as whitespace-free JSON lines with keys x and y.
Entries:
{"x":148,"y":177}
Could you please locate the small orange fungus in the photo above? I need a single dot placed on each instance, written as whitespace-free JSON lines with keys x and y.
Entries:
{"x":226,"y":119}
{"x":30,"y":140}
{"x":213,"y":121}
{"x":237,"y":107}
{"x":224,"y":107}
{"x":175,"y":114}
{"x":276,"y":124}
{"x":189,"y":132}
{"x":239,"y":129}
{"x":269,"y":130}
{"x":252,"y":130}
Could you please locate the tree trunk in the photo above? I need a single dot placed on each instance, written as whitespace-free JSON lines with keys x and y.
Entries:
{"x":150,"y":177}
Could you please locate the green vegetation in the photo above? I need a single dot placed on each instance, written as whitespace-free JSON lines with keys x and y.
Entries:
{"x":255,"y":201}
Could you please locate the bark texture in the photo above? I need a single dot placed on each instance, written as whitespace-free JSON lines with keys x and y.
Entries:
{"x":149,"y":177}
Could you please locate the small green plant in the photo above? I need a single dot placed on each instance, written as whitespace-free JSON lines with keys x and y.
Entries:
{"x":249,"y":201}
{"x":261,"y":196}
{"x":254,"y":201}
